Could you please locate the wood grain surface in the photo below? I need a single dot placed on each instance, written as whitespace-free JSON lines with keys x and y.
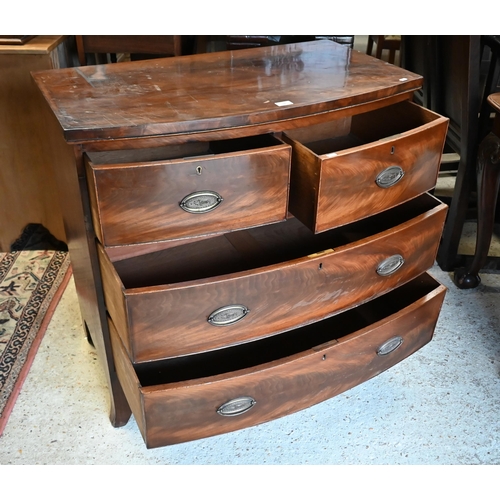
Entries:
{"x":170,"y":319}
{"x":140,"y":202}
{"x":334,"y":174}
{"x":186,"y":410}
{"x":221,"y":90}
{"x":28,"y":189}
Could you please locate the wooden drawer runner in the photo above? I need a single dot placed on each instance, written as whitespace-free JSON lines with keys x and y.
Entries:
{"x":256,"y":283}
{"x":359,"y":166}
{"x":140,"y":196}
{"x":203,"y":395}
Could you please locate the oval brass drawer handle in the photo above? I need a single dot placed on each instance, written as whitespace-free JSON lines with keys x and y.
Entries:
{"x":389,"y":177}
{"x":236,"y":406}
{"x":228,"y":315}
{"x":390,"y":346}
{"x":390,"y":265}
{"x":201,"y":202}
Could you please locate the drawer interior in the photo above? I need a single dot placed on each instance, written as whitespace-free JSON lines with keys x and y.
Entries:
{"x":256,"y":248}
{"x":362,"y":129}
{"x":182,"y":151}
{"x":313,"y":336}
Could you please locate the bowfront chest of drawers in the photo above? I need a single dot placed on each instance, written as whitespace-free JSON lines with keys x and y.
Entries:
{"x":249,"y":231}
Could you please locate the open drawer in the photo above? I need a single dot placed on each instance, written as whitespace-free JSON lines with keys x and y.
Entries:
{"x":358,"y":166}
{"x":142,"y":196}
{"x":192,"y":397}
{"x":252,"y":284}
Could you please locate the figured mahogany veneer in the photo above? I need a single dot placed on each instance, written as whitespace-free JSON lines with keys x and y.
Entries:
{"x":293,"y":278}
{"x":139,"y":202}
{"x":262,"y":89}
{"x":313,"y":364}
{"x":234,"y":254}
{"x":337,"y":163}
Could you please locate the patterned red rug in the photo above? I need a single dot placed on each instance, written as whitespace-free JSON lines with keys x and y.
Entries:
{"x":31,"y":284}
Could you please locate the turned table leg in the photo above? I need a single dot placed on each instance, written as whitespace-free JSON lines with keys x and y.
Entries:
{"x":488,"y":183}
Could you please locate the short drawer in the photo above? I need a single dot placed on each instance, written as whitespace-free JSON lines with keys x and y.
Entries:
{"x":198,"y":396}
{"x":188,"y":190}
{"x":256,"y":283}
{"x":351,"y":168}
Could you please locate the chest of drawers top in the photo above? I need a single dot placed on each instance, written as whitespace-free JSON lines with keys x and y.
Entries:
{"x":247,"y":91}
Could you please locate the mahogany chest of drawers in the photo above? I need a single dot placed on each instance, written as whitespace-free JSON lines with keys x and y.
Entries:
{"x":249,"y":231}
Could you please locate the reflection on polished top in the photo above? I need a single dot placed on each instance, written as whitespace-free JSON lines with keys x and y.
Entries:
{"x":207,"y":92}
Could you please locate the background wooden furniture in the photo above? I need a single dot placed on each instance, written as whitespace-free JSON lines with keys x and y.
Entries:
{"x":234,"y":42}
{"x":27,"y":187}
{"x":15,"y":39}
{"x":392,"y":43}
{"x":210,"y":307}
{"x":490,"y":43}
{"x":488,"y":183}
{"x":142,"y":45}
{"x":450,"y":66}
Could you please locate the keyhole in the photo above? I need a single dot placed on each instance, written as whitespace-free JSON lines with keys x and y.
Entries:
{"x":392,"y":150}
{"x":320,"y":266}
{"x":324,"y":357}
{"x":199,"y":169}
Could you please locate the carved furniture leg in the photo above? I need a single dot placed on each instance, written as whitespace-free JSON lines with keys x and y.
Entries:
{"x":488,"y":183}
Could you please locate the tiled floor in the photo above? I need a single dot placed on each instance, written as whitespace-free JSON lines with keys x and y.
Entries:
{"x":440,"y":406}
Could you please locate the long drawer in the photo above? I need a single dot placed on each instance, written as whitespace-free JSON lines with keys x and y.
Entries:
{"x":203,"y":395}
{"x":358,"y":166}
{"x":253,"y":284}
{"x":188,"y":190}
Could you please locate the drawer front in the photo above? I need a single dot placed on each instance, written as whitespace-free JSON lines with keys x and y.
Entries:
{"x":365,"y":182}
{"x":176,"y":320}
{"x":335,"y":188}
{"x":183,"y":411}
{"x":158,"y":201}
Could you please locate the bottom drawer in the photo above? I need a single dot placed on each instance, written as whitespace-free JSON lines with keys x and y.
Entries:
{"x":203,"y":395}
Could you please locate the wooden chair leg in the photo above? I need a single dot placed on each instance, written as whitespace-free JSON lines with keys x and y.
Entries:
{"x":81,"y":50}
{"x":488,"y":183}
{"x":369,"y":47}
{"x":380,"y":47}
